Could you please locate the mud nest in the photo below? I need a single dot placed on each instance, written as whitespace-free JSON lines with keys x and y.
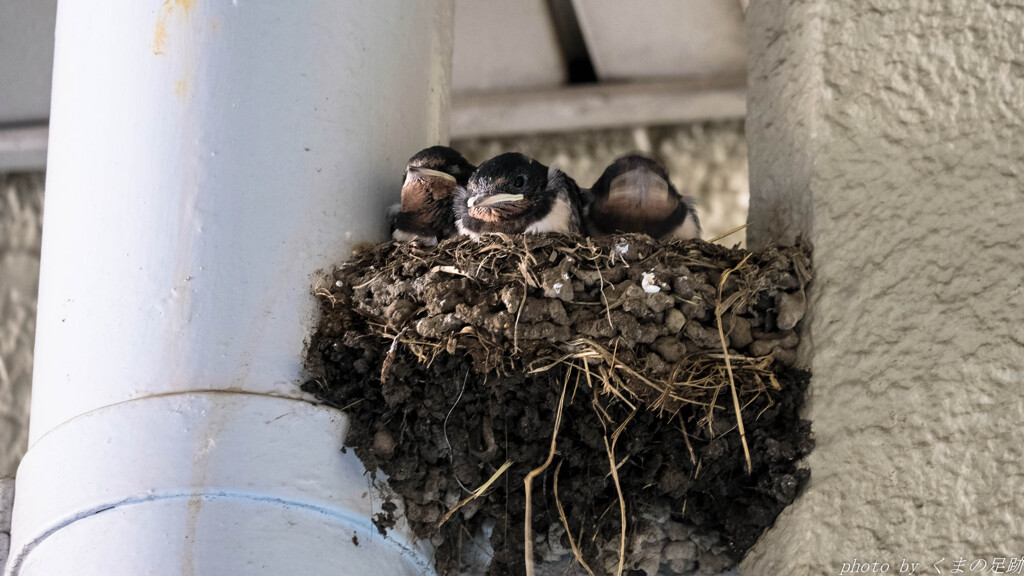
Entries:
{"x":634,"y":400}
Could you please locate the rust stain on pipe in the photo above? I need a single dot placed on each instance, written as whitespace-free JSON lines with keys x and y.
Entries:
{"x":195,"y":505}
{"x":160,"y":36}
{"x":182,"y":87}
{"x":160,"y":33}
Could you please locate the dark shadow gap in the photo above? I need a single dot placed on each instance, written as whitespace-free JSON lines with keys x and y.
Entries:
{"x":570,"y":39}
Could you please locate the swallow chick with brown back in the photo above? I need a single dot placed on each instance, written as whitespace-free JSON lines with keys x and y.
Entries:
{"x":635,"y":194}
{"x":431,"y":177}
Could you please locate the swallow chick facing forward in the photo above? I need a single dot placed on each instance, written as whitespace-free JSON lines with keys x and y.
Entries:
{"x":634,"y":194}
{"x":515,"y":194}
{"x":431,"y":177}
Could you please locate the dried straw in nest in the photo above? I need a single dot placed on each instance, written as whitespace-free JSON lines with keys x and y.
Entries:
{"x":692,"y":332}
{"x":471,"y":295}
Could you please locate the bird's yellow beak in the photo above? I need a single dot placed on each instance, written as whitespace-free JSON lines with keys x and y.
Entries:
{"x":494,"y":199}
{"x":417,"y":173}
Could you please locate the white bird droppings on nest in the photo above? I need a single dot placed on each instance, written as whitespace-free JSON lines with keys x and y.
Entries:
{"x":648,"y":283}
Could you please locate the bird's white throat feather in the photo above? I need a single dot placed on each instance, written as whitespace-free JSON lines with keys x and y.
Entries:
{"x":493,"y":199}
{"x":403,"y":236}
{"x":556,"y":220}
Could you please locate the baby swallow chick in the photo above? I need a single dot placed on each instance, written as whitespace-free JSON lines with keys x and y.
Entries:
{"x":515,"y":194}
{"x":635,"y":195}
{"x":431,"y":177}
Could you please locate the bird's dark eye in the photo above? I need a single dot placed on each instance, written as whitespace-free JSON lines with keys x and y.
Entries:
{"x":520,"y":181}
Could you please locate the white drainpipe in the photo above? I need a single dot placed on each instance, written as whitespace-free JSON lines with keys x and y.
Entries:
{"x":205,"y":158}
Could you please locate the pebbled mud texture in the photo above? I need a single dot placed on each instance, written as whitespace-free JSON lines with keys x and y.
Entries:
{"x":451,"y":361}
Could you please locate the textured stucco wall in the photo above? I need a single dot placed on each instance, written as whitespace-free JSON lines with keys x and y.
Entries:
{"x":21,"y":211}
{"x":707,"y":161}
{"x":893,"y":133}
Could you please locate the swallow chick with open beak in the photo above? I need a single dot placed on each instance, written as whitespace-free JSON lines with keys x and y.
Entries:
{"x":431,"y":177}
{"x":515,"y":194}
{"x":634,"y":194}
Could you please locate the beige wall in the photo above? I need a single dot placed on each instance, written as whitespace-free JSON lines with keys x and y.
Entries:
{"x":21,"y":210}
{"x":893,"y":133}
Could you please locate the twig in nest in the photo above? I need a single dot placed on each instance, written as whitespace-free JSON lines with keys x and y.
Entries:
{"x":451,"y":270}
{"x":689,"y":446}
{"x":368,"y":282}
{"x":444,"y":430}
{"x":351,"y":404}
{"x":565,"y":522}
{"x":610,"y":448}
{"x":528,"y":482}
{"x":389,"y":359}
{"x":728,"y":364}
{"x":604,"y":299}
{"x":515,"y":329}
{"x":727,"y":234}
{"x":622,"y":503}
{"x":525,"y":267}
{"x":324,"y":293}
{"x":476,"y":493}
